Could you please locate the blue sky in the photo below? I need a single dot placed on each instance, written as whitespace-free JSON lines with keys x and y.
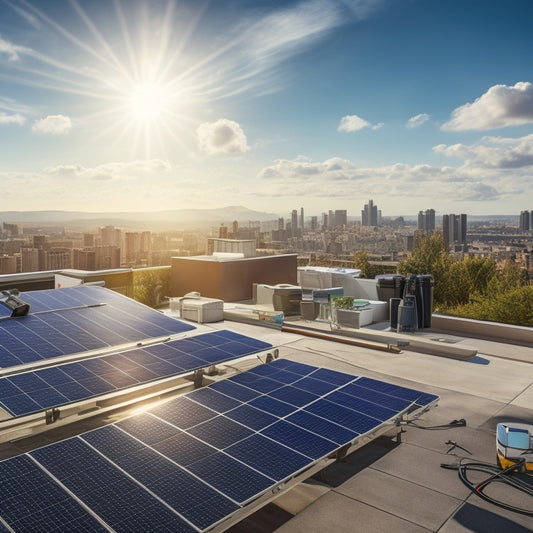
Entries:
{"x":322,"y":104}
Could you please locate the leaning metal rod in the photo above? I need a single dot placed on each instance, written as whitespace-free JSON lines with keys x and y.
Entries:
{"x":352,"y":342}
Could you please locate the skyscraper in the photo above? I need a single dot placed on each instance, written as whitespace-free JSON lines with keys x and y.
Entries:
{"x":426,"y":220}
{"x":369,"y":215}
{"x":454,"y":229}
{"x":294,"y":223}
{"x":341,"y":218}
{"x":526,"y":221}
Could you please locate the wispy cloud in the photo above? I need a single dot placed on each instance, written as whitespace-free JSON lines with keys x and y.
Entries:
{"x":53,"y":125}
{"x":417,"y":121}
{"x":500,"y":106}
{"x":11,"y":119}
{"x":12,"y":51}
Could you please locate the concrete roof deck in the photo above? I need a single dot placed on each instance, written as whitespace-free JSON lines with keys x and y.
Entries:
{"x":386,"y":486}
{"x":389,"y":486}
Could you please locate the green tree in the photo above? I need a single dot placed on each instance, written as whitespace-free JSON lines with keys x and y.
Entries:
{"x":368,"y":270}
{"x":513,"y":306}
{"x":430,"y":256}
{"x":150,"y":286}
{"x":468,"y":278}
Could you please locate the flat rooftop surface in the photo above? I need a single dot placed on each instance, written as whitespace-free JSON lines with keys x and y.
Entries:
{"x":388,"y":485}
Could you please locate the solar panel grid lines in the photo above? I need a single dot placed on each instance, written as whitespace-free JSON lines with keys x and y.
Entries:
{"x":198,"y":459}
{"x":74,"y":320}
{"x":112,"y":493}
{"x":31,"y":392}
{"x":178,"y":487}
{"x":46,"y":506}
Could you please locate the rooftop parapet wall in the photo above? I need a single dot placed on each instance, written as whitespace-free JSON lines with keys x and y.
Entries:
{"x":479,"y":329}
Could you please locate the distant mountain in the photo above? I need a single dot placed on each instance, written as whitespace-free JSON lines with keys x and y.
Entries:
{"x":170,"y":219}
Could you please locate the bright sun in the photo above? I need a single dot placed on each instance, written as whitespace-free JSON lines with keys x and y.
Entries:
{"x":148,"y":101}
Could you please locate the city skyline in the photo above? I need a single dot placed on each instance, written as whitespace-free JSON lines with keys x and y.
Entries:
{"x":325,"y":104}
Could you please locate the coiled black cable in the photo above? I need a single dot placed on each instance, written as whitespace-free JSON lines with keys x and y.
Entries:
{"x":511,"y":476}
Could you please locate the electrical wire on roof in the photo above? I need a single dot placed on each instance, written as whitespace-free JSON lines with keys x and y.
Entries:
{"x":513,"y":476}
{"x":461,"y":422}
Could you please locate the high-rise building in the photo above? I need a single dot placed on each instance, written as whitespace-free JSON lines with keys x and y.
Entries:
{"x":8,"y":264}
{"x":454,"y":229}
{"x":301,"y":219}
{"x":294,"y":223}
{"x":12,"y":229}
{"x":426,"y":220}
{"x":110,"y":236}
{"x":369,"y":215}
{"x":341,"y":218}
{"x":314,"y":223}
{"x":88,"y":240}
{"x":30,"y":259}
{"x":526,"y":221}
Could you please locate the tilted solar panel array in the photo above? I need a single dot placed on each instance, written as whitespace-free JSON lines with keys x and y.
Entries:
{"x":189,"y":464}
{"x":31,"y":392}
{"x":77,"y":319}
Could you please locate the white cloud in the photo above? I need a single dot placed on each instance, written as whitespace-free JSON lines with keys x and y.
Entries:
{"x":417,"y":121}
{"x":500,"y":106}
{"x":11,"y":119}
{"x":493,"y":153}
{"x":53,"y":125}
{"x":121,"y":170}
{"x":351,"y":123}
{"x":11,"y":50}
{"x":223,"y":137}
{"x":482,"y":176}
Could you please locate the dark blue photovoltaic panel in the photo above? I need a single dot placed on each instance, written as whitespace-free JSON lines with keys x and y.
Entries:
{"x":110,"y":493}
{"x":266,"y":456}
{"x":255,"y":382}
{"x":32,"y":392}
{"x":148,"y":428}
{"x":272,"y":406}
{"x":300,"y":440}
{"x":343,"y":416}
{"x":184,"y":449}
{"x":316,"y":386}
{"x":251,"y":417}
{"x":182,"y":466}
{"x":221,"y":471}
{"x":320,"y":426}
{"x":214,"y":400}
{"x":183,"y":413}
{"x":76,"y":319}
{"x":392,"y":402}
{"x":293,"y":396}
{"x":332,"y":376}
{"x":31,"y":501}
{"x":234,"y":390}
{"x":358,"y":404}
{"x":412,"y":395}
{"x":220,"y":432}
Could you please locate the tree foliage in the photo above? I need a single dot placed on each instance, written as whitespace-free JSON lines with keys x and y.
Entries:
{"x":151,"y":286}
{"x":513,"y":306}
{"x":368,"y":270}
{"x":430,"y":256}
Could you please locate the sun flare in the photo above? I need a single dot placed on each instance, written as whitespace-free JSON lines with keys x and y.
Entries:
{"x":148,"y":101}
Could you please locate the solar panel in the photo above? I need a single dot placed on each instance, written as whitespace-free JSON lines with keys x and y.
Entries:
{"x":200,"y":458}
{"x":77,"y":319}
{"x":31,"y":392}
